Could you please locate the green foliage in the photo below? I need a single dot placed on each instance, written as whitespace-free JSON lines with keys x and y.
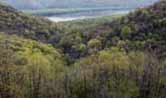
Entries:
{"x":115,"y":73}
{"x":94,"y":45}
{"x":126,"y":88}
{"x":115,"y":58}
{"x":8,"y":73}
{"x":124,"y":58}
{"x":35,"y":61}
{"x":126,"y":31}
{"x":87,"y":25}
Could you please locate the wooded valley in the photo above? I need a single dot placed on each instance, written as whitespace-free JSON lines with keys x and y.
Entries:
{"x":119,"y":56}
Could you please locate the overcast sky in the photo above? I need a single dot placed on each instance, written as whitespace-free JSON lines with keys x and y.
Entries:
{"x":76,"y":3}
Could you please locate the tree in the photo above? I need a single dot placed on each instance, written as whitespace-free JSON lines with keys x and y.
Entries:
{"x":126,"y":31}
{"x":94,"y":45}
{"x":11,"y":77}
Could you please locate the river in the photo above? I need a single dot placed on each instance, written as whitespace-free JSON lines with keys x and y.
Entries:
{"x":84,"y":15}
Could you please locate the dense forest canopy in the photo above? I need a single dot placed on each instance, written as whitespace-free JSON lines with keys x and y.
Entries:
{"x":121,"y":56}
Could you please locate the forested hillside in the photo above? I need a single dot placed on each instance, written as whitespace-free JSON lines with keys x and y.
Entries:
{"x":142,"y":28}
{"x":14,"y":22}
{"x":25,"y":65}
{"x":122,"y":57}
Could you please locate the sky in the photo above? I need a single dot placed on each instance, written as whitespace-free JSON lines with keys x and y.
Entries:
{"x":38,"y":4}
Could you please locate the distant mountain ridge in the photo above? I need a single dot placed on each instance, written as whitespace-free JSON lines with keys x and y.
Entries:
{"x":40,"y":4}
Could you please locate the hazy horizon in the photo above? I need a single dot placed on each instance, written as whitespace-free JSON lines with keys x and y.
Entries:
{"x":42,"y":4}
{"x":67,"y":10}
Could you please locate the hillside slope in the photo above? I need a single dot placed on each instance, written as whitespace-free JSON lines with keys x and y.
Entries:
{"x":123,"y":58}
{"x":144,"y":28}
{"x":26,"y":48}
{"x":15,"y":22}
{"x":24,"y":62}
